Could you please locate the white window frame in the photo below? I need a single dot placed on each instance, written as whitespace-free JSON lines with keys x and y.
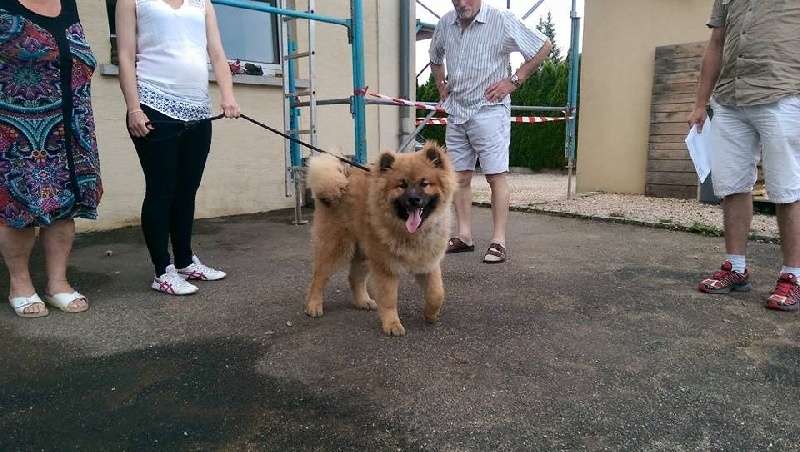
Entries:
{"x":269,"y":68}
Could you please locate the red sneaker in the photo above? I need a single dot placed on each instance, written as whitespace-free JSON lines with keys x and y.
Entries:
{"x":786,"y":295}
{"x":725,"y":280}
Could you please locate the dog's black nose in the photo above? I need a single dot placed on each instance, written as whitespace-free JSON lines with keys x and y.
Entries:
{"x":414,"y":201}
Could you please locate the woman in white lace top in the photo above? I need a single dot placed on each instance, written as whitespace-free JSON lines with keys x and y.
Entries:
{"x":164,"y":48}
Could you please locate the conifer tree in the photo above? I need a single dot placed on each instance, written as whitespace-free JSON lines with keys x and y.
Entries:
{"x":547,"y":27}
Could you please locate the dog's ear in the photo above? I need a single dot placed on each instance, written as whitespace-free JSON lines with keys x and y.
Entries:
{"x":385,"y":161}
{"x":433,"y":154}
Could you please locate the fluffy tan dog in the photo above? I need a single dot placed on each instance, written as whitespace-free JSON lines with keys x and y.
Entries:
{"x":392,"y":220}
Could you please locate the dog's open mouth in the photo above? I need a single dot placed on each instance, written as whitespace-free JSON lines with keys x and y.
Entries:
{"x":414,"y":211}
{"x":414,"y":219}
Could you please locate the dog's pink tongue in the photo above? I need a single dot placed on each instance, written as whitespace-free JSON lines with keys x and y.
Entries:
{"x":414,"y":220}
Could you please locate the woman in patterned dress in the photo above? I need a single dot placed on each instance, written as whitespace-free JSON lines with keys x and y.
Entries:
{"x":49,"y":169}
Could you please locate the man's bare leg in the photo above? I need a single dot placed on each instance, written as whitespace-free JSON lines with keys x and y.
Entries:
{"x":789,"y":229}
{"x":462,"y":200}
{"x":498,"y":183}
{"x":737,"y":210}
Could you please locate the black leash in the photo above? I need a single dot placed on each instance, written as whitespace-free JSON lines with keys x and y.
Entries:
{"x":186,"y":126}
{"x":194,"y":123}
{"x":312,"y":147}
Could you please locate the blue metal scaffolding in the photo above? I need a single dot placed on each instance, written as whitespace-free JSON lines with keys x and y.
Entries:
{"x":355,"y":33}
{"x":354,"y":26}
{"x":572,"y":94}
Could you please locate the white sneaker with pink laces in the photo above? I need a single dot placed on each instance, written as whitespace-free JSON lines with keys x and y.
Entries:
{"x":173,"y":283}
{"x":201,"y":272}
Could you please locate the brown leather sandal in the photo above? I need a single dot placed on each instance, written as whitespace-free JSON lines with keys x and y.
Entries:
{"x":456,"y":245}
{"x":497,"y":250}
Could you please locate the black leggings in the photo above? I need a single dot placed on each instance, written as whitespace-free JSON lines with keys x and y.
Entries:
{"x":173,"y":159}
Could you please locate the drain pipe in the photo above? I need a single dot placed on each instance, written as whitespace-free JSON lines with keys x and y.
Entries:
{"x":405,"y":66}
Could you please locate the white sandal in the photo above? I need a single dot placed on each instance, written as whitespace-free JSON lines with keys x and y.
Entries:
{"x":62,"y":301}
{"x":20,"y":304}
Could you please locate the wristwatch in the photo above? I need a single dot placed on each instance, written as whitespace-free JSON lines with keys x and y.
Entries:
{"x":515,"y":80}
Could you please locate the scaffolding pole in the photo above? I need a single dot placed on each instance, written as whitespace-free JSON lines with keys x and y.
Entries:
{"x":572,"y":95}
{"x":358,"y":109}
{"x":355,"y":34}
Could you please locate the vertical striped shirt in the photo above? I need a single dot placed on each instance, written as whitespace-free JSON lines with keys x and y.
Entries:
{"x":478,"y":56}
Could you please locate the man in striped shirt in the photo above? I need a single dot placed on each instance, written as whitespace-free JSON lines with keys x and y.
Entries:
{"x":470,"y":62}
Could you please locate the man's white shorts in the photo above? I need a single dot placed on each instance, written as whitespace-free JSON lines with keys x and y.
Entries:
{"x":741,"y":136}
{"x":485,"y":136}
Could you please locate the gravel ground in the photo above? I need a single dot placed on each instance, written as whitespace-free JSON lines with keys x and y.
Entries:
{"x":548,"y":193}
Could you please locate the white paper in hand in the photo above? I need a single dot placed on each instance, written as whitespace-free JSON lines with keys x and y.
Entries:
{"x":699,"y":145}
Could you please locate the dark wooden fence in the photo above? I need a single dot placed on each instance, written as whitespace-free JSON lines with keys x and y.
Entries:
{"x":670,"y":172}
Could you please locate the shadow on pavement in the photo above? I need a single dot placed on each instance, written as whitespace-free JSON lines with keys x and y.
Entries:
{"x":591,"y":337}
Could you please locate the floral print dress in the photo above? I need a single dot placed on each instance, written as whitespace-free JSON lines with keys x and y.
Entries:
{"x":49,"y":168}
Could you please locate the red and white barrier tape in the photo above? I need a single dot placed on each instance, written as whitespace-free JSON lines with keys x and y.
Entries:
{"x":408,"y":102}
{"x":438,"y":108}
{"x":526,"y":119}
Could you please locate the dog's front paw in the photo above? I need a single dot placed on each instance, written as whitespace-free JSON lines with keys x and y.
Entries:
{"x":394,"y":328}
{"x":313,"y":309}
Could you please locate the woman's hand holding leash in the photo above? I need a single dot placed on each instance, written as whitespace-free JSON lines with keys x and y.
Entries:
{"x":138,"y":123}
{"x":230,"y":108}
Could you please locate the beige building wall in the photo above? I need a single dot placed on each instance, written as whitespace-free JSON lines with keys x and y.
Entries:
{"x":620,"y":37}
{"x":245,"y":171}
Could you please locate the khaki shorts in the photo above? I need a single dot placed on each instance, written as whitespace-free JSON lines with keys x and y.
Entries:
{"x":741,"y":136}
{"x":485,"y":136}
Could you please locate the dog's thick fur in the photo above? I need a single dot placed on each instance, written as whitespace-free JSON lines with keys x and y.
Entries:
{"x":392,"y":220}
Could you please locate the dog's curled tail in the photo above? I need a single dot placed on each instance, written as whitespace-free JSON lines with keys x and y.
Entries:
{"x":327,"y":178}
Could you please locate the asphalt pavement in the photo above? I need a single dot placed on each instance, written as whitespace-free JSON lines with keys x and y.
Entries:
{"x":592,"y":336}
